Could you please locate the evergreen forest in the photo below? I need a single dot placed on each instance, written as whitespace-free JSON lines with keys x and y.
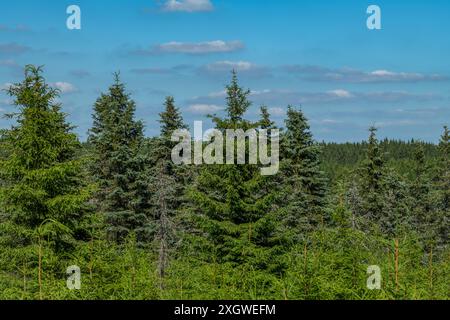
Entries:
{"x":140,"y":227}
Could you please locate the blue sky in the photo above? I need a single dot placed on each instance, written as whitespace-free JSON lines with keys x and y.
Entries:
{"x":318,"y":55}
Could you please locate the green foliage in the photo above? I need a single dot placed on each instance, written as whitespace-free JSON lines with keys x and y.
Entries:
{"x":265,"y":122}
{"x":41,"y":178}
{"x":163,"y":231}
{"x":117,"y":167}
{"x":304,"y":184}
{"x":231,"y":203}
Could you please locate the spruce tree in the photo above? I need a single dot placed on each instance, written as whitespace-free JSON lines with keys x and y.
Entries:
{"x":421,"y":191}
{"x":304,"y":184}
{"x":371,"y":174}
{"x":167,"y":183}
{"x":265,"y":122}
{"x":444,"y":169}
{"x":443,"y":189}
{"x":41,"y":178}
{"x":232,"y":207}
{"x":171,"y":119}
{"x":384,"y":193}
{"x":118,"y":165}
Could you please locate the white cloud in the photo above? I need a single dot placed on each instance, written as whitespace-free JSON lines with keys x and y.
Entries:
{"x":242,"y":67}
{"x":277,"y":111}
{"x":229,"y":65}
{"x":349,"y":75}
{"x":219,"y":68}
{"x":385,"y":75}
{"x":216,"y":46}
{"x":188,"y":5}
{"x":330,"y":121}
{"x":397,"y":123}
{"x":218,"y":94}
{"x":286,"y":97}
{"x":259,"y":92}
{"x":5,"y":86}
{"x":64,"y":87}
{"x":341,"y":93}
{"x":382,"y":73}
{"x":204,"y":108}
{"x":6,"y":102}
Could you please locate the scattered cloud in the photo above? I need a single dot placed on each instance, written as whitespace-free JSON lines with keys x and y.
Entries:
{"x":204,"y":108}
{"x":175,"y":70}
{"x":220,"y":68}
{"x":144,"y":71}
{"x":80,"y":73}
{"x":330,"y":121}
{"x":8,"y":63}
{"x":18,"y":28}
{"x":5,"y":86}
{"x":11,"y":65}
{"x":13,"y":48}
{"x":277,"y":111}
{"x":64,"y":87}
{"x":242,"y":67}
{"x":348,"y":75}
{"x":6,"y":103}
{"x":341,"y":96}
{"x":217,"y":46}
{"x":187,"y":6}
{"x":389,"y":112}
{"x":157,"y":92}
{"x":341,"y":93}
{"x":397,"y":123}
{"x":332,"y":97}
{"x":218,"y":94}
{"x":229,"y":65}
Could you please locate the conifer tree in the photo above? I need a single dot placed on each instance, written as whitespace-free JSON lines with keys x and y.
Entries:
{"x":371,"y":173}
{"x":41,"y":178}
{"x":384,"y":193}
{"x":444,"y":169}
{"x":171,"y":119}
{"x":420,"y":190}
{"x":118,"y":166}
{"x":231,"y":206}
{"x":304,"y":183}
{"x":443,"y":187}
{"x":167,"y":183}
{"x":265,"y":122}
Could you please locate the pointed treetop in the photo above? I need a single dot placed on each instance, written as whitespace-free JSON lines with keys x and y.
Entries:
{"x":33,"y":91}
{"x":296,"y":122}
{"x":266,"y":122}
{"x":237,"y":100}
{"x":171,"y":119}
{"x":445,"y":137}
{"x":444,"y":144}
{"x":373,"y":133}
{"x":116,"y":76}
